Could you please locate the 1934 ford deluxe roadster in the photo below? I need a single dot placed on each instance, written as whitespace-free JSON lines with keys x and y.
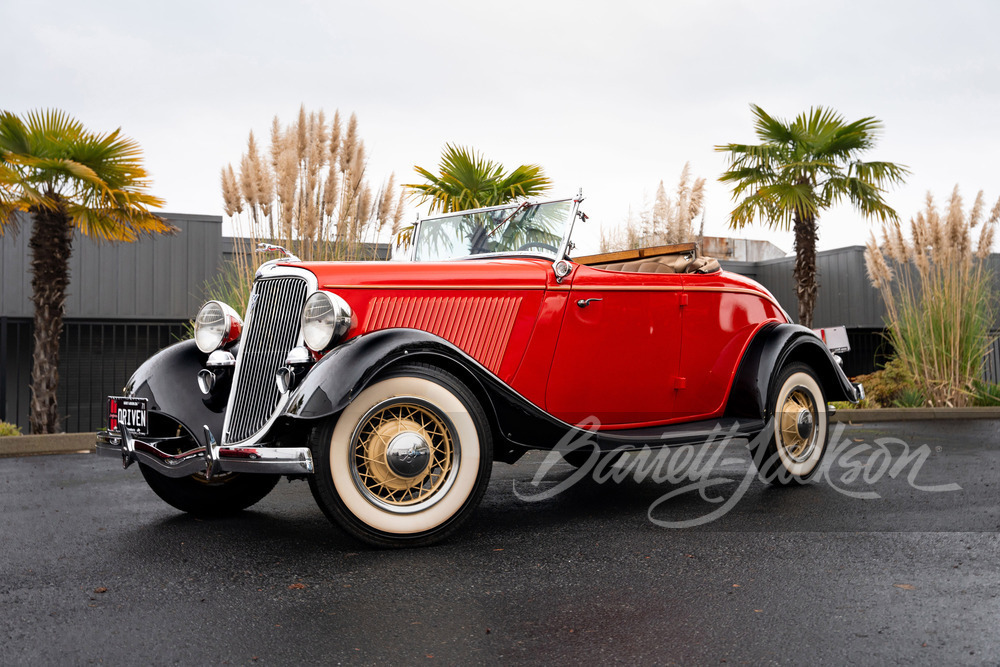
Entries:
{"x":394,"y":386}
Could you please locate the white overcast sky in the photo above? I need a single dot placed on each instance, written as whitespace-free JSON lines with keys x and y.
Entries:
{"x":609,"y":96}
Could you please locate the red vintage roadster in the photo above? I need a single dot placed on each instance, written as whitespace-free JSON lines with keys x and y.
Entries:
{"x":394,"y":386}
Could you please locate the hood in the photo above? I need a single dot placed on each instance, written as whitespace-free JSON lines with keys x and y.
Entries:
{"x":520,"y":273}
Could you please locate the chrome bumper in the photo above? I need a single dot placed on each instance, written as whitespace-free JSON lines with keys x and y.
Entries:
{"x":209,"y":460}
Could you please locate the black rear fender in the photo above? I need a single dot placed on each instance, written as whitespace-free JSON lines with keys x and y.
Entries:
{"x":772,"y":348}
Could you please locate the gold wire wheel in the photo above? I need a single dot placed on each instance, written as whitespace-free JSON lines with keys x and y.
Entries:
{"x":403,"y":454}
{"x":798,"y":424}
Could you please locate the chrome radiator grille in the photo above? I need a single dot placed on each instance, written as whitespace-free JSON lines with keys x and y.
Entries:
{"x":272,"y":329}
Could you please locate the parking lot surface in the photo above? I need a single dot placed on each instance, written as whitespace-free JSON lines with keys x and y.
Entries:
{"x":876,"y":562}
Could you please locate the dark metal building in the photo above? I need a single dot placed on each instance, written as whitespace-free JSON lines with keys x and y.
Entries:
{"x":125,"y":301}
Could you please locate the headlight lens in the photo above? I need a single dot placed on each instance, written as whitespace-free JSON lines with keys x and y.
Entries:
{"x":325,"y":320}
{"x":216,"y":325}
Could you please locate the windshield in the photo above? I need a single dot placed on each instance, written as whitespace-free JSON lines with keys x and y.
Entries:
{"x":524,"y":228}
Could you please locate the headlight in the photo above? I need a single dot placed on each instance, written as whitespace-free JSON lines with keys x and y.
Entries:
{"x":216,"y":325}
{"x":325,"y":319}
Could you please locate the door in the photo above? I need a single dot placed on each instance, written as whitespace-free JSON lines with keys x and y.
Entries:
{"x":618,"y":350}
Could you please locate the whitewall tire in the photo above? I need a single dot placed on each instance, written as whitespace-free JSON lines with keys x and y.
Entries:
{"x":799,"y":428}
{"x":407,"y":461}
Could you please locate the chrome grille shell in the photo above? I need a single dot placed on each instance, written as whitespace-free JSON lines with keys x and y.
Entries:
{"x":271,"y":329}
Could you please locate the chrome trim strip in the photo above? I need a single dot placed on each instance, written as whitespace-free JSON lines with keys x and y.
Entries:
{"x":627,"y":288}
{"x":538,"y":287}
{"x":498,"y":207}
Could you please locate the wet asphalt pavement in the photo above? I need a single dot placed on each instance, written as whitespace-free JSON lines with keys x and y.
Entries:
{"x":94,"y":568}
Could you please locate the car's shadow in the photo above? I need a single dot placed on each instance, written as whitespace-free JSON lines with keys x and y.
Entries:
{"x":513,"y":508}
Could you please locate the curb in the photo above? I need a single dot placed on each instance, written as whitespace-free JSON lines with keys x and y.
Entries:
{"x":55,"y":443}
{"x":913,"y":414}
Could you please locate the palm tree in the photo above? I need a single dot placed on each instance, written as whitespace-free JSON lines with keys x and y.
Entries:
{"x":468,"y":180}
{"x":66,"y":179}
{"x":800,"y":169}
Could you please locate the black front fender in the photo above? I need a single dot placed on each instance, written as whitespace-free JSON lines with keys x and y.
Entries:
{"x":772,"y":348}
{"x":346,"y":370}
{"x":169,"y":382}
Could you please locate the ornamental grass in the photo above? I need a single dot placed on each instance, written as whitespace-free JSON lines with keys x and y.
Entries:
{"x":667,"y":221}
{"x":940,"y":296}
{"x":307,"y":192}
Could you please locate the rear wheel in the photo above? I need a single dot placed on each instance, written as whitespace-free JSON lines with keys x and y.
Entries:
{"x":800,"y":428}
{"x":407,"y":461}
{"x":226,"y":493}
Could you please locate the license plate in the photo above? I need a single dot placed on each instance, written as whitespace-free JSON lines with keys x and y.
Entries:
{"x":131,"y":412}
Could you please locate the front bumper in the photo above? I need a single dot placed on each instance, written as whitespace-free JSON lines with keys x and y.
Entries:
{"x":210,"y":460}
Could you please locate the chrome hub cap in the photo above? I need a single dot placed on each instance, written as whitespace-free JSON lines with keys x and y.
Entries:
{"x":408,"y":454}
{"x":805,"y":424}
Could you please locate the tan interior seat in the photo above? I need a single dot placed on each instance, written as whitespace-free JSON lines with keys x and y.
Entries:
{"x":666,"y":264}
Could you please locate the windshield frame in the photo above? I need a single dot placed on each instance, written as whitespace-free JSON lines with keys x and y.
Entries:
{"x":560,"y":252}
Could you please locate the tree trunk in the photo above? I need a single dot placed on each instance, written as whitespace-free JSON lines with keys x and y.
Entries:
{"x":805,"y":266}
{"x":51,"y":244}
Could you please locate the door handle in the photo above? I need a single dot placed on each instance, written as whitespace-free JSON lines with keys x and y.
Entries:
{"x":583,"y":303}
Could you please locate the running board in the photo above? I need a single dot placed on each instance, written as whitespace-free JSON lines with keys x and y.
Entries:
{"x":676,"y":435}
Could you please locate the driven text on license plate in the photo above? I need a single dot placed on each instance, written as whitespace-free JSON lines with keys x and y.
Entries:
{"x":131,"y":412}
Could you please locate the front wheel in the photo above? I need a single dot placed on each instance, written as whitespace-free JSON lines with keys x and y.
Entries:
{"x":407,"y":462}
{"x":800,"y":428}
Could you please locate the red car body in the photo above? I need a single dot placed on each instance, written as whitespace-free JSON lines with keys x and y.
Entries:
{"x":512,"y":317}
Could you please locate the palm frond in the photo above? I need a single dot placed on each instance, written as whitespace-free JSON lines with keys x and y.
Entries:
{"x":768,"y":128}
{"x":53,"y":123}
{"x":117,"y":224}
{"x":842,"y":145}
{"x":52,"y":166}
{"x":758,"y":206}
{"x":49,"y":160}
{"x":817,"y":124}
{"x":880,"y":173}
{"x":805,"y":166}
{"x":469,"y":180}
{"x":13,"y":135}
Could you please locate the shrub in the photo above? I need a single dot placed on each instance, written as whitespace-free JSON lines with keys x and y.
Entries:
{"x":939,"y":296}
{"x":7,"y":428}
{"x":887,"y":387}
{"x":910,"y":397}
{"x":985,"y":394}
